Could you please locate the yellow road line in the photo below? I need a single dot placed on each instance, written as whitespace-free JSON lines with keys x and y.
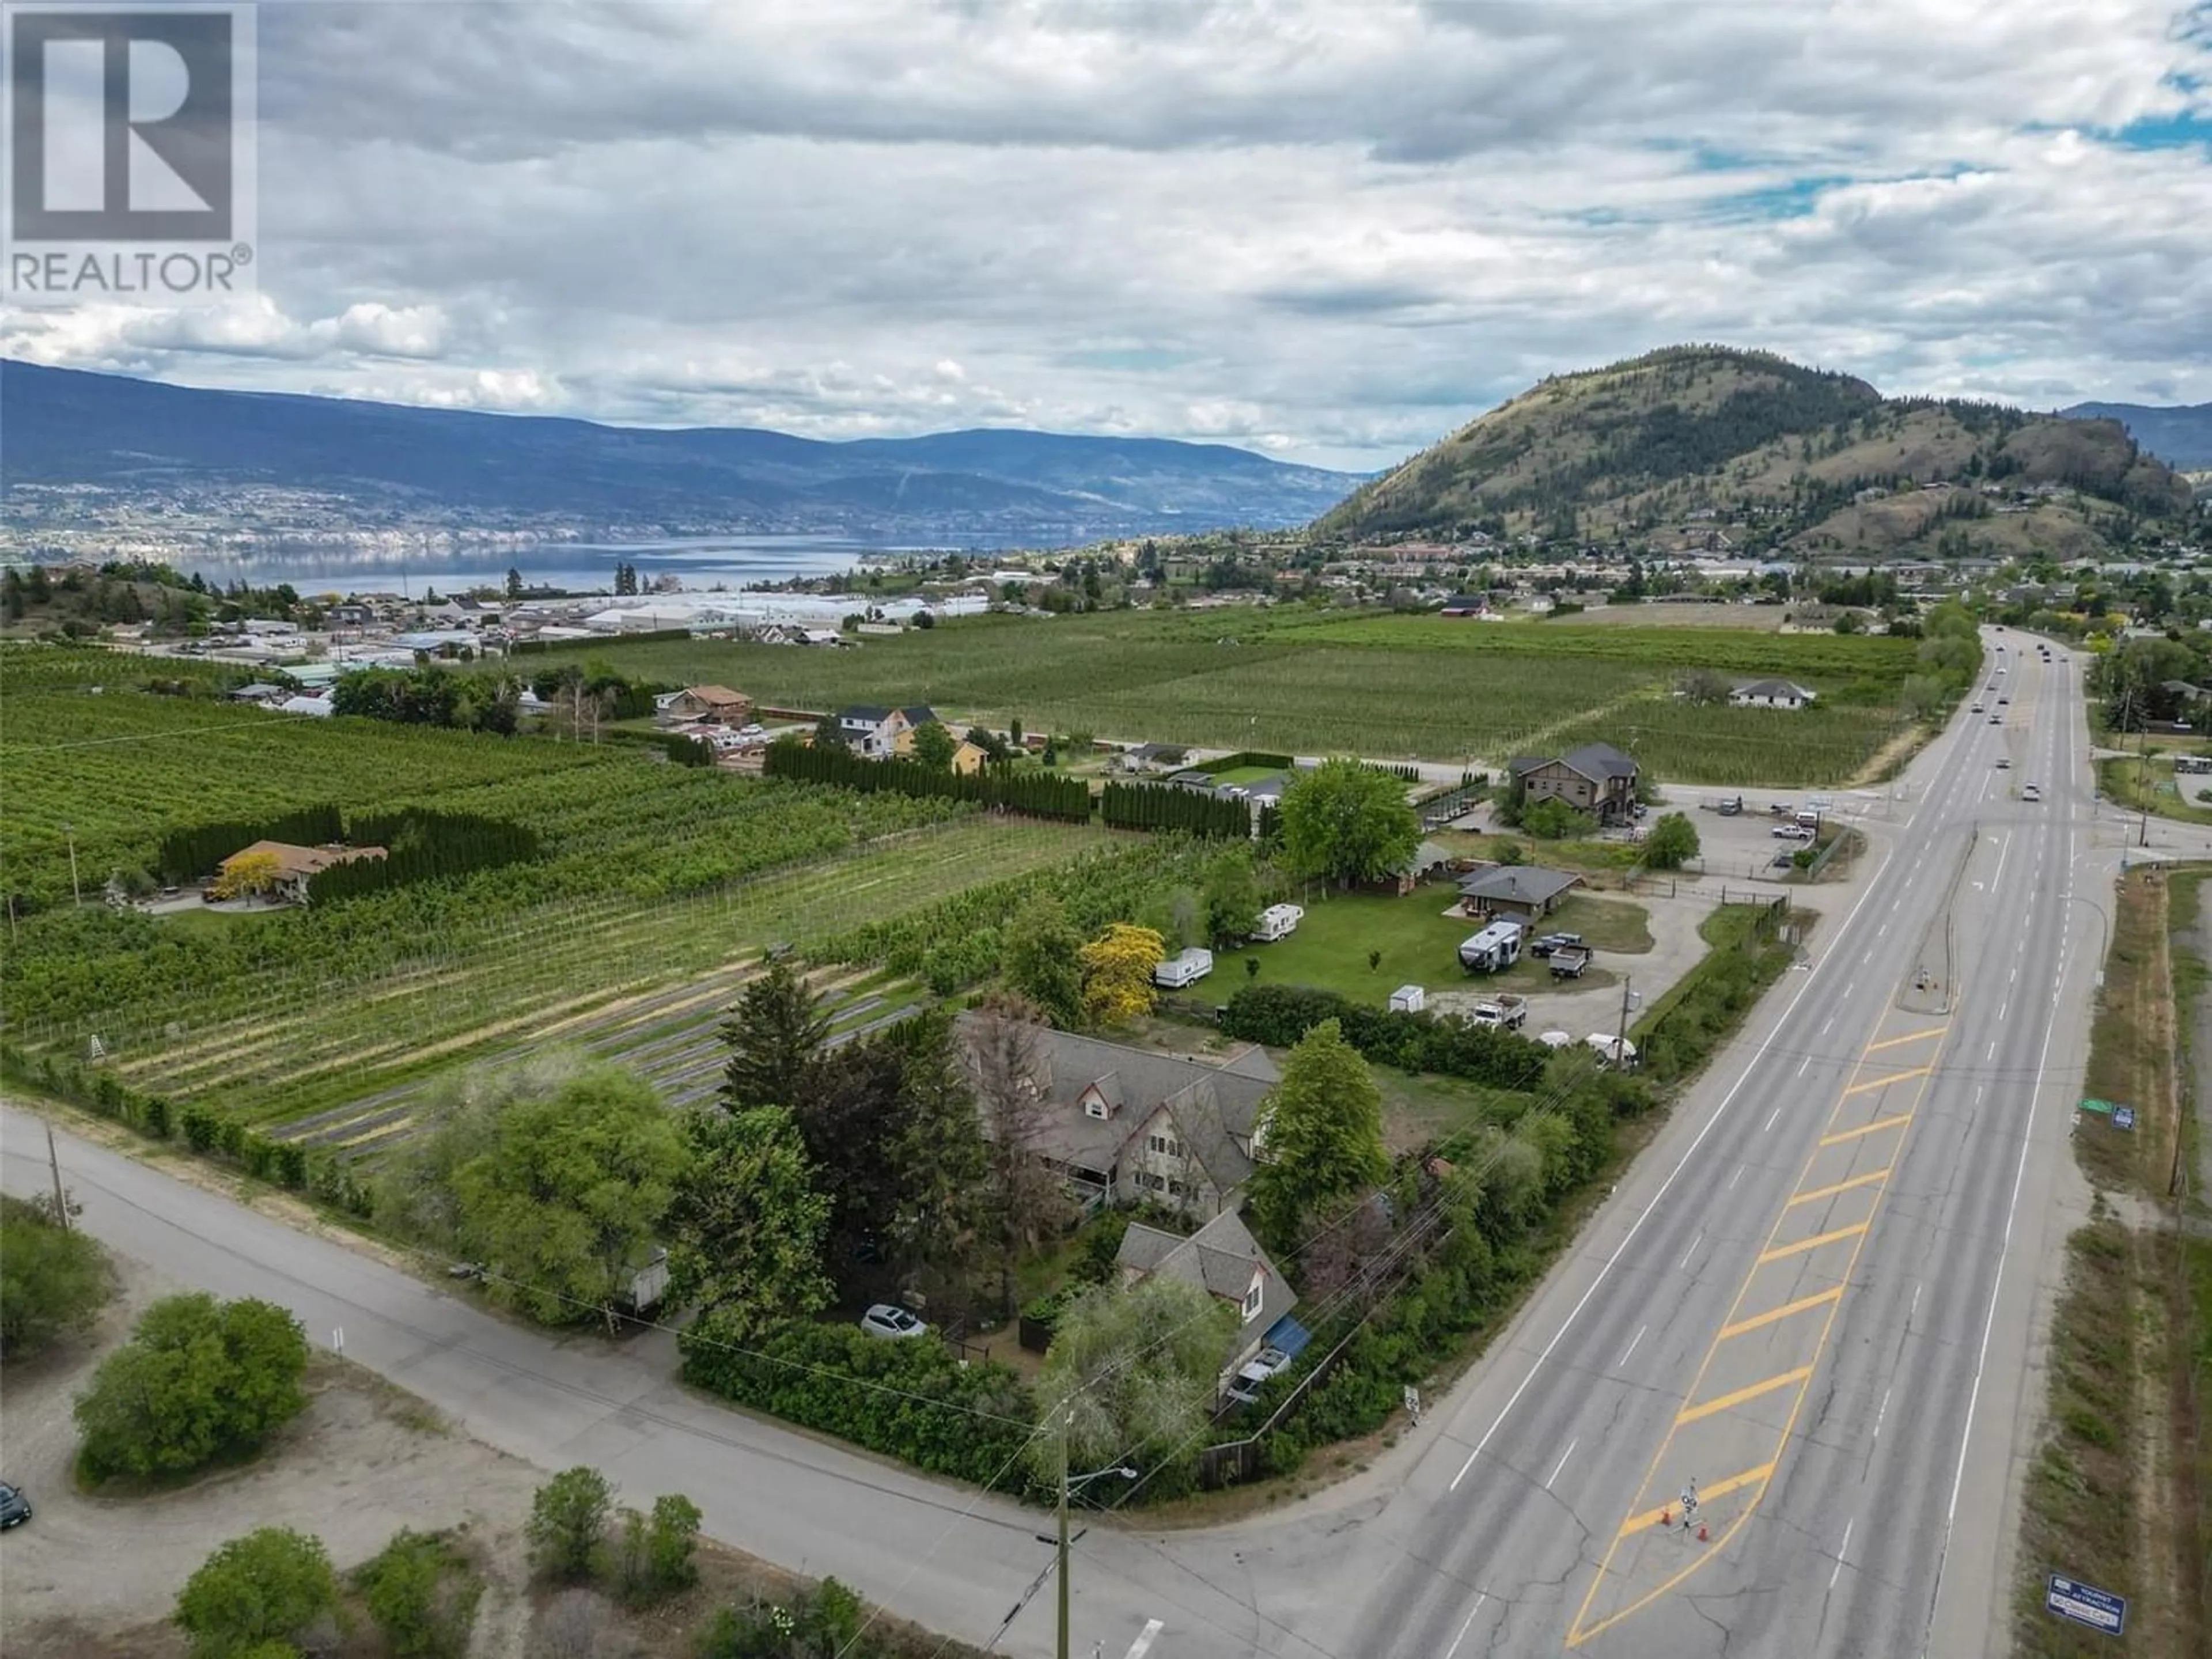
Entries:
{"x":1773,"y":1314}
{"x":1818,"y":1193}
{"x":1880,"y":1123}
{"x":1576,"y":1634}
{"x":1884,"y":1082}
{"x":1898,"y":1042}
{"x":1649,"y":1518}
{"x":1706,"y":1409}
{"x":1812,"y":1243}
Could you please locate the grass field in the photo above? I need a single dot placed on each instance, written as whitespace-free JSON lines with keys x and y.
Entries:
{"x":1307,"y":681}
{"x":1420,"y":945}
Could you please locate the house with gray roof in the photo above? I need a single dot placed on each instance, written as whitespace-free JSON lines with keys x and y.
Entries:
{"x":1771,"y":693}
{"x":1223,"y":1259}
{"x":1125,"y":1124}
{"x":1523,"y":891}
{"x":1596,"y":778}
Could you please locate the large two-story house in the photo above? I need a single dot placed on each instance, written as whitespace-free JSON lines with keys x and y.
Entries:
{"x":1123,"y":1124}
{"x":1596,"y":778}
{"x":880,"y":733}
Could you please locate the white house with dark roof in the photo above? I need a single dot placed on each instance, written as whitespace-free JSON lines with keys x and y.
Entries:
{"x":1223,"y":1259}
{"x":1771,"y":693}
{"x":879,"y":733}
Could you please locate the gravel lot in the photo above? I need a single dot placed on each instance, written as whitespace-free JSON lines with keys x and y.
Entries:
{"x":86,"y":1576}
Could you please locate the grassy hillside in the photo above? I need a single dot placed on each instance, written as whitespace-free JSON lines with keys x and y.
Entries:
{"x":1754,"y":440}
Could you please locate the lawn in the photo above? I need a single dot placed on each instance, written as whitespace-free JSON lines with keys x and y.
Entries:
{"x":1420,"y":1108}
{"x":2129,"y":785}
{"x":1418,"y":943}
{"x":1241,"y":773}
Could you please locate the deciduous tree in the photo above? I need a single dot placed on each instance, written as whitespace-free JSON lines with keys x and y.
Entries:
{"x":1320,"y":1135}
{"x":1671,"y":842}
{"x":934,"y":746}
{"x":1117,"y":973}
{"x":745,"y":1226}
{"x":421,"y":1597}
{"x":247,"y":875}
{"x":1131,"y":1372}
{"x":563,"y":1203}
{"x":1552,"y":819}
{"x":1343,"y":822}
{"x":52,"y":1279}
{"x":773,"y":1034}
{"x":267,"y":1586}
{"x":568,"y":1517}
{"x":1231,"y":894}
{"x":199,"y":1380}
{"x":1042,"y":960}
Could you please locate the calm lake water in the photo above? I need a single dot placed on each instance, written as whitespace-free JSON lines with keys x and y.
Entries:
{"x":701,"y":564}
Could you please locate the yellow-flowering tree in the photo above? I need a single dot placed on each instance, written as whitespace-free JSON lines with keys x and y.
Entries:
{"x":246,"y":874}
{"x":1117,"y":973}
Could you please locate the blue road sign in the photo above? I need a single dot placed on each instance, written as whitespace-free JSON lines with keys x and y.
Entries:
{"x":2124,"y":1117}
{"x":2085,"y":1604}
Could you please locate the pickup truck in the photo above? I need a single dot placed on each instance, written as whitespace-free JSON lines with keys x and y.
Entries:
{"x":1551,"y":942}
{"x":1505,"y":1011}
{"x":1569,"y":961}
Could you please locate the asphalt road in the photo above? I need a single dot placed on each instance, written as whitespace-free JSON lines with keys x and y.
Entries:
{"x":1813,"y":1297}
{"x":1815,"y":1302}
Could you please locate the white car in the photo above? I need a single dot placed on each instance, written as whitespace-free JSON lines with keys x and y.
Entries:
{"x":887,"y":1320}
{"x":1254,"y":1373}
{"x":2029,"y":791}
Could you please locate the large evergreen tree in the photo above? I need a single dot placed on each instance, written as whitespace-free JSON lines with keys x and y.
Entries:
{"x":773,"y":1034}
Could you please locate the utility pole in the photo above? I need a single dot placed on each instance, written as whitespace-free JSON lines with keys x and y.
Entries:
{"x":1066,"y":1420}
{"x":54,"y":1162}
{"x":1620,"y":1037}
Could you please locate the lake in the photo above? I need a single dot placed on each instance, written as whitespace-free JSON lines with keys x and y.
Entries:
{"x":701,"y":564}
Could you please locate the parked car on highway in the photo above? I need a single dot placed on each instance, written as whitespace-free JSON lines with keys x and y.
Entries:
{"x":14,"y":1508}
{"x":885,"y":1319}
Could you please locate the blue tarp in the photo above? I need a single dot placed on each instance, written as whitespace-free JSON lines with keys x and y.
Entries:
{"x":1287,"y":1334}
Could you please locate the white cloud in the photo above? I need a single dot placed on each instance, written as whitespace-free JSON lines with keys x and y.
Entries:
{"x":1330,"y":231}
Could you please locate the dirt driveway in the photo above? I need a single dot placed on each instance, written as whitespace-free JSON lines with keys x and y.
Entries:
{"x":85,"y":1576}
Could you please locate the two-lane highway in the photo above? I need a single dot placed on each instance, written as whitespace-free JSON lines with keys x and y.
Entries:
{"x":1806,"y":1311}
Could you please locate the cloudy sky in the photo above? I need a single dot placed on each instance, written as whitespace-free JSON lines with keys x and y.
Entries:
{"x":1329,"y":230}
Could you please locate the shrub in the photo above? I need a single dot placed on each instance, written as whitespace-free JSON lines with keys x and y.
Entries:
{"x":566,"y":1518}
{"x":256,"y":1592}
{"x":421,"y":1597}
{"x":52,"y":1279}
{"x":579,"y":1624}
{"x":1281,"y":1015}
{"x":199,"y":1380}
{"x":920,"y":1408}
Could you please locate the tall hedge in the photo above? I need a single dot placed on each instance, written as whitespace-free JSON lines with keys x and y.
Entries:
{"x":1040,"y":794}
{"x":1168,"y":807}
{"x":910,"y":1399}
{"x":1278,"y":1015}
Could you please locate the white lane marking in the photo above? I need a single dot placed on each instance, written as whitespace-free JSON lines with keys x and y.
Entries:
{"x":1881,"y":1416}
{"x":1802,"y":1064}
{"x":1631,"y":1348}
{"x":1867,"y":957}
{"x":1915,"y":1308}
{"x":1561,"y":1464}
{"x":1143,"y":1644}
{"x":1992,"y":1054}
{"x":1471,"y":1611}
{"x":1770,"y":1116}
{"x":1848,"y":984}
{"x":1667,"y":1185}
{"x":1829,"y":1025}
{"x":2002,"y":1007}
{"x":2004,"y":845}
{"x":1840,"y":1550}
{"x":1691,"y":1251}
{"x":1737,"y":1176}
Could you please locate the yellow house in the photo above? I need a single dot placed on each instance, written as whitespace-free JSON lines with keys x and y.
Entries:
{"x":968,"y":759}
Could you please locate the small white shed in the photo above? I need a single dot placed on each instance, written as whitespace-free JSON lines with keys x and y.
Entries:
{"x":1408,"y":1000}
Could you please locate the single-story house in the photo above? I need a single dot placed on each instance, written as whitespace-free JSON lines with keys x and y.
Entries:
{"x":1430,"y":859}
{"x":1522,"y":891}
{"x":1465,"y":605}
{"x":1596,"y":778}
{"x":259,"y":691}
{"x":295,"y":865}
{"x":1771,"y":693}
{"x":1223,"y":1259}
{"x":1123,"y":1124}
{"x":879,"y":733}
{"x":1154,"y":757}
{"x":969,"y":759}
{"x":320,"y":707}
{"x":714,"y":703}
{"x":351,"y":616}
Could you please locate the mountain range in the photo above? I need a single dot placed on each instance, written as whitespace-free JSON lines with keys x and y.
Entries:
{"x":1705,"y":445}
{"x":270,"y":463}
